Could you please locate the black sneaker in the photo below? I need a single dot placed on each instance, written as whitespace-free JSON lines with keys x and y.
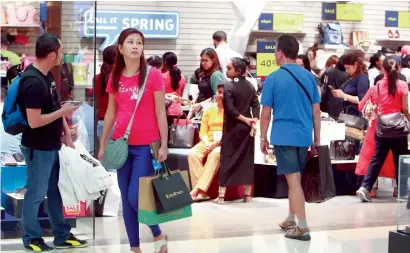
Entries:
{"x":71,"y":242}
{"x":38,"y":245}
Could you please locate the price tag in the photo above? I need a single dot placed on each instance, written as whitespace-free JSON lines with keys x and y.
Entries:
{"x":217,"y":135}
{"x":265,"y":64}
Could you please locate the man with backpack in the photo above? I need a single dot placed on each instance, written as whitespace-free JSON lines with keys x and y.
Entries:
{"x":42,"y":139}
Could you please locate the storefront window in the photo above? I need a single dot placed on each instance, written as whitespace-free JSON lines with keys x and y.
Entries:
{"x":21,"y":24}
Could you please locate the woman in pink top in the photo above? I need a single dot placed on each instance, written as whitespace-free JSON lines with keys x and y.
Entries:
{"x":174,"y":85}
{"x":391,"y":95}
{"x":149,"y":125}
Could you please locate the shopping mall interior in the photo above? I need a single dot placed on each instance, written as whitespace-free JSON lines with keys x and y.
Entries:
{"x":339,"y":221}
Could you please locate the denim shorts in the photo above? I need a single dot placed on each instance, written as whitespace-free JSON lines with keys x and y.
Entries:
{"x":290,"y":159}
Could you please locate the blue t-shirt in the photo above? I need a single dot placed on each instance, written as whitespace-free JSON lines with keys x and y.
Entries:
{"x":292,"y":111}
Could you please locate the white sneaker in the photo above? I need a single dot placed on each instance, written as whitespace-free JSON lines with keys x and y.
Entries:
{"x":363,"y":194}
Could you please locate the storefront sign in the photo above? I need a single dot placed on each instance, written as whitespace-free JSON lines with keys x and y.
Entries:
{"x":110,"y":23}
{"x":281,"y":22}
{"x":342,"y":12}
{"x":399,"y":19}
{"x":265,"y":58}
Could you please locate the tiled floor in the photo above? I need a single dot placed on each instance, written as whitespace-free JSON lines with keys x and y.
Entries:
{"x":340,"y":225}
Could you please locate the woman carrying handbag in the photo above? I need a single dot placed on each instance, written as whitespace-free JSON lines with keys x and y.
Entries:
{"x":137,"y":106}
{"x":392,"y":127}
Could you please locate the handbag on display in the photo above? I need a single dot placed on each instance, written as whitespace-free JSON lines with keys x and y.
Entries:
{"x":3,"y":16}
{"x":358,"y":37}
{"x":342,"y":150}
{"x":21,"y":15}
{"x":116,"y":151}
{"x":355,"y":125}
{"x":392,"y":125}
{"x":331,"y":34}
{"x":182,"y":135}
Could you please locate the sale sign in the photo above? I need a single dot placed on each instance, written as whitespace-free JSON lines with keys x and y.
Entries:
{"x":265,"y":58}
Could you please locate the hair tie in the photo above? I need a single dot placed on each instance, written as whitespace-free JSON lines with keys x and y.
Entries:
{"x":174,"y":66}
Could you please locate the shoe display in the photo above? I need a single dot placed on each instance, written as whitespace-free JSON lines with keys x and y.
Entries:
{"x":72,"y":242}
{"x":38,"y":245}
{"x":390,"y":34}
{"x":397,"y":35}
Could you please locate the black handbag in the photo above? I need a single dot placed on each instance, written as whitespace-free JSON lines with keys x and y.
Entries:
{"x":392,"y":125}
{"x":170,"y":191}
{"x":182,"y":135}
{"x":342,"y":150}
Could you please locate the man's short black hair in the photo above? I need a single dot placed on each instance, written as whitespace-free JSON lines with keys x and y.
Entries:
{"x":221,"y":85}
{"x":219,"y":36}
{"x":289,"y":45}
{"x":47,"y":43}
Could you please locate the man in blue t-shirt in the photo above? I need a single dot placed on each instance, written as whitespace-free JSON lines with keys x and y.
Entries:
{"x":296,"y":112}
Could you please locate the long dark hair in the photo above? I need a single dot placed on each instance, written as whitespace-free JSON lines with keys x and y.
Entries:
{"x":405,"y":62}
{"x":211,"y":53}
{"x":373,"y":60}
{"x":306,"y":61}
{"x":352,"y":59}
{"x":120,"y":63}
{"x":107,"y":66}
{"x":391,"y":67}
{"x":170,"y":64}
{"x":155,"y":61}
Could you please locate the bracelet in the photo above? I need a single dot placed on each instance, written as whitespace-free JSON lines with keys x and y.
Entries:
{"x":262,"y":139}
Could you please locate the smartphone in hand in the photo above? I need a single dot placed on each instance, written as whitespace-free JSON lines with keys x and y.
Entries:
{"x":74,"y":103}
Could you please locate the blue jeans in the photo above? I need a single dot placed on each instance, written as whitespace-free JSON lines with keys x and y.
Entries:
{"x":138,"y":164}
{"x":43,"y":169}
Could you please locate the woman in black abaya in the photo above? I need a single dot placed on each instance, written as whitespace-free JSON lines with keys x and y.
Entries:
{"x":237,"y":148}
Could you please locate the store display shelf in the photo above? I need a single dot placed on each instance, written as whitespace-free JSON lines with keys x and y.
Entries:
{"x":393,"y":40}
{"x":19,"y":26}
{"x":332,"y":47}
{"x":277,"y":32}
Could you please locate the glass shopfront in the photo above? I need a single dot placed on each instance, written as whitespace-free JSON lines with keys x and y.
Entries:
{"x":21,"y":23}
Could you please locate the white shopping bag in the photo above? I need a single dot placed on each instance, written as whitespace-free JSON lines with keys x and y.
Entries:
{"x":112,"y":198}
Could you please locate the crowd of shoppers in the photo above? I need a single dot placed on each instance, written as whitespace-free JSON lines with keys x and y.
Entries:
{"x":291,"y":103}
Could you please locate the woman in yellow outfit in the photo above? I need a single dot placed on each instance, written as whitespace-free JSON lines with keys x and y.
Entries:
{"x":208,"y":148}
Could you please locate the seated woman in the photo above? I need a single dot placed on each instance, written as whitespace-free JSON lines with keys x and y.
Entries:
{"x":209,"y":149}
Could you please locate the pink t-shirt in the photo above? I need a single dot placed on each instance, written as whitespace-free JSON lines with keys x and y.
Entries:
{"x":145,"y":128}
{"x":389,"y":104}
{"x":175,"y":109}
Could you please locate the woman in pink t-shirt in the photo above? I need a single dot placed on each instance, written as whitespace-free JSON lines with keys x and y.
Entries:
{"x":391,"y":96}
{"x":149,"y":125}
{"x":174,"y":85}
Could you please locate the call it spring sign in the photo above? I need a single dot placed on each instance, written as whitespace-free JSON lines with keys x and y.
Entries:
{"x":281,"y":22}
{"x":110,"y":23}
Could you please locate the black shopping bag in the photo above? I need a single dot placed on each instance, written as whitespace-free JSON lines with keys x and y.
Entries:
{"x":318,"y":181}
{"x":170,"y":191}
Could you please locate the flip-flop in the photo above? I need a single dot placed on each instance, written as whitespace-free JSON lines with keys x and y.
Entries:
{"x":159,"y":244}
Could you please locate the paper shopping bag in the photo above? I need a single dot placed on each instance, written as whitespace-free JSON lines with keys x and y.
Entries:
{"x":147,"y":211}
{"x":171,"y":192}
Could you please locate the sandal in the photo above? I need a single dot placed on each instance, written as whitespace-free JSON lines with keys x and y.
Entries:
{"x":201,"y":198}
{"x":220,"y":199}
{"x":161,"y":245}
{"x":247,"y":199}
